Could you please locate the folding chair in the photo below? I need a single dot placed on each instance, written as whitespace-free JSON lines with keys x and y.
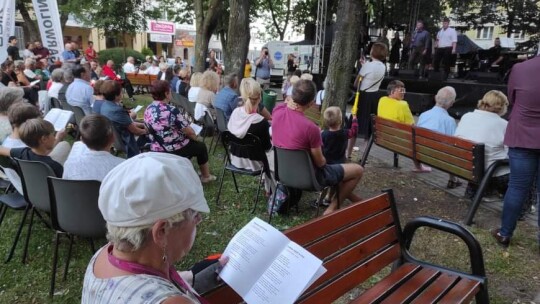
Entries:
{"x":294,"y":168}
{"x":74,"y":212}
{"x":250,"y":146}
{"x":79,"y":114}
{"x":221,"y":127}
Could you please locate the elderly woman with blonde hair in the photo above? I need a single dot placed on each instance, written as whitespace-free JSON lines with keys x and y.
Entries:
{"x":246,"y":119}
{"x":486,"y":126}
{"x":149,"y":230}
{"x":205,"y":99}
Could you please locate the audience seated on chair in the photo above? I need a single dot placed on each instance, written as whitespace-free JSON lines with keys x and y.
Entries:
{"x":182,"y":86}
{"x":292,"y":130}
{"x":90,"y":158}
{"x":245,"y":119}
{"x":227,"y":98}
{"x":39,"y":135}
{"x":68,"y":80}
{"x":98,"y":97}
{"x":126,"y":127}
{"x":207,"y":94}
{"x":8,"y":97}
{"x":172,"y":132}
{"x":437,"y":119}
{"x":194,"y":86}
{"x":57,"y":78}
{"x":20,"y":113}
{"x":486,"y":126}
{"x":80,"y":93}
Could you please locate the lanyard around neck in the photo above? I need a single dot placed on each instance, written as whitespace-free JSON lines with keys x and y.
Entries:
{"x":137,"y":268}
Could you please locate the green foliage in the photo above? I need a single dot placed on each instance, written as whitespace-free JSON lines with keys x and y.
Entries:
{"x":146,"y":51}
{"x":117,"y":55}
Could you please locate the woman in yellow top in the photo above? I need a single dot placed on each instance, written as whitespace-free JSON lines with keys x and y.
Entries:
{"x":247,"y":69}
{"x":393,"y":107}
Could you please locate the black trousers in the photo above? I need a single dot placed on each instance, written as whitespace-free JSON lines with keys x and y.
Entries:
{"x":194,"y":148}
{"x":126,"y":84}
{"x":443,"y":55}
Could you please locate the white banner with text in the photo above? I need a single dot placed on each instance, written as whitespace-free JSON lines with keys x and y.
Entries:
{"x":7,"y":26}
{"x":50,"y":28}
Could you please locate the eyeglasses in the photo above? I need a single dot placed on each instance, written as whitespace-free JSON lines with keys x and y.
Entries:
{"x":401,"y":90}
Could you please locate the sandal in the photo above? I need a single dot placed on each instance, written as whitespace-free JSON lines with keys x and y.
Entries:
{"x":453,"y":184}
{"x":422,"y":169}
{"x":208,"y":179}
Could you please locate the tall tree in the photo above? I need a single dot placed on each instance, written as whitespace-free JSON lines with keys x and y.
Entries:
{"x":30,"y":28}
{"x":206,"y":21}
{"x":278,"y":20}
{"x":238,"y":37}
{"x":343,"y":53}
{"x":514,"y":16}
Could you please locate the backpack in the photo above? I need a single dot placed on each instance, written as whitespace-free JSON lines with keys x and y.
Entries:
{"x":286,"y":198}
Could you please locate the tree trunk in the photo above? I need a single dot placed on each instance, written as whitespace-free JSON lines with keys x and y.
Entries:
{"x":238,"y":37}
{"x":343,"y":53}
{"x":30,"y":28}
{"x":206,"y":24}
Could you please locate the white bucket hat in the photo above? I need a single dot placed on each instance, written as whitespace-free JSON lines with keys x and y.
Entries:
{"x":149,"y":187}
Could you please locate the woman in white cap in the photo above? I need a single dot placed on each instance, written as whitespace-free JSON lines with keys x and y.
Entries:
{"x":152,"y":215}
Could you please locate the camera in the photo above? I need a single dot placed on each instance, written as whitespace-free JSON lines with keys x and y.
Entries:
{"x":266,"y":52}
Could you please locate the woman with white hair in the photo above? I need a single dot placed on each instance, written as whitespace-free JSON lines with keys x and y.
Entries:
{"x":57,"y":78}
{"x":150,"y":230}
{"x":486,"y":126}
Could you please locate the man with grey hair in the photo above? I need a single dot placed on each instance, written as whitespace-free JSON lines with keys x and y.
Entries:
{"x":437,"y":119}
{"x":227,"y":98}
{"x":68,"y":79}
{"x":129,"y":66}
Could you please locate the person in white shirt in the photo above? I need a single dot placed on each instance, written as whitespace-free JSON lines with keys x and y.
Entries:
{"x":28,"y":53}
{"x":91,"y":159}
{"x":57,"y":78}
{"x":129,"y":66}
{"x":195,"y":87}
{"x":29,"y":69}
{"x":445,"y":47}
{"x":153,"y":69}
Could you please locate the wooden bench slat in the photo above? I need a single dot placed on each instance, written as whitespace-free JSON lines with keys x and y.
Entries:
{"x":456,"y":161}
{"x":396,"y":140}
{"x":393,"y":147}
{"x":393,"y":124}
{"x":386,"y":285}
{"x":455,"y":151}
{"x":333,"y":243}
{"x":412,"y":287}
{"x":355,"y":255}
{"x":462,"y":292}
{"x":441,"y":164}
{"x":449,"y":140}
{"x":405,"y":134}
{"x":321,"y":227}
{"x":349,"y":280}
{"x":223,"y":295}
{"x":437,"y":289}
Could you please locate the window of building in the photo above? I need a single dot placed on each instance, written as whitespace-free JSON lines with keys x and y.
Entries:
{"x":484,"y":33}
{"x":519,"y":35}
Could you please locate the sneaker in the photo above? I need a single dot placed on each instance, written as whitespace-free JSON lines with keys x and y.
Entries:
{"x":491,"y":198}
{"x":208,"y":179}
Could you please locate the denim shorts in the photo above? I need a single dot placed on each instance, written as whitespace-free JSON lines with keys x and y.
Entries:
{"x":330,"y":175}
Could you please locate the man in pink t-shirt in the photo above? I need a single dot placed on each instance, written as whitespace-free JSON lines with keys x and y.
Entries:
{"x":292,"y":130}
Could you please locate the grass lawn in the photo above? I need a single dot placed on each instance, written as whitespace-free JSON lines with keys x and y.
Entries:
{"x":29,"y":283}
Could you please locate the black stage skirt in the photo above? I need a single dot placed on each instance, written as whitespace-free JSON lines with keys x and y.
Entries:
{"x":367,"y":105}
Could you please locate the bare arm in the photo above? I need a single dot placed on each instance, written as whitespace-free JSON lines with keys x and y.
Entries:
{"x":318,"y":157}
{"x":190,"y":133}
{"x":5,"y":151}
{"x":137,"y":128}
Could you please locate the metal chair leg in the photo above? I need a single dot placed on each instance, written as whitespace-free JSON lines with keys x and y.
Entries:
{"x":3,"y":210}
{"x":235,"y":184}
{"x":217,"y":142}
{"x":258,"y":192}
{"x":272,"y":207}
{"x":220,"y":185}
{"x":18,"y":234}
{"x":25,"y":251}
{"x":55,"y":262}
{"x":71,"y":239}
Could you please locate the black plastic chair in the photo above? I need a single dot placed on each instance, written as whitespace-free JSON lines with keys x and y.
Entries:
{"x":13,"y":199}
{"x":74,"y":212}
{"x":209,"y":128}
{"x":34,"y":180}
{"x":221,"y":126}
{"x":182,"y":102}
{"x":294,"y":168}
{"x":79,"y":114}
{"x":250,"y":146}
{"x":65,"y":105}
{"x":118,"y":145}
{"x":55,"y":103}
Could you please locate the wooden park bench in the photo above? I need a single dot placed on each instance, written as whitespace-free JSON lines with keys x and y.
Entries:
{"x":358,"y":241}
{"x":457,"y":156}
{"x":143,"y":80}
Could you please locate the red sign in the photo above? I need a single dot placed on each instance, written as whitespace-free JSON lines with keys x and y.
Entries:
{"x":161,"y":27}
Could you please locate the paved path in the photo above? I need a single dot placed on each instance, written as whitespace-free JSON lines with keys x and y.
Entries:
{"x":436,"y":178}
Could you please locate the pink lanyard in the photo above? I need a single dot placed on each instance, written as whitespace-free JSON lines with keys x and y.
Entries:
{"x":141,"y":269}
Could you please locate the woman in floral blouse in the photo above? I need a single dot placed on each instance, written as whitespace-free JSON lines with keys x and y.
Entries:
{"x":172,"y":133}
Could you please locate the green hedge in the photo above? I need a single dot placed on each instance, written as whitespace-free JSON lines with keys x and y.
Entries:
{"x":117,"y":55}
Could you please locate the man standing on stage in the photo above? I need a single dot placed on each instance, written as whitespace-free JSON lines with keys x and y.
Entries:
{"x":445,"y":47}
{"x":419,"y":45}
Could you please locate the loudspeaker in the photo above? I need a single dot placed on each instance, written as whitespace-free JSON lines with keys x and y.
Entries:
{"x":436,"y":76}
{"x":408,"y":74}
{"x":487,"y":77}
